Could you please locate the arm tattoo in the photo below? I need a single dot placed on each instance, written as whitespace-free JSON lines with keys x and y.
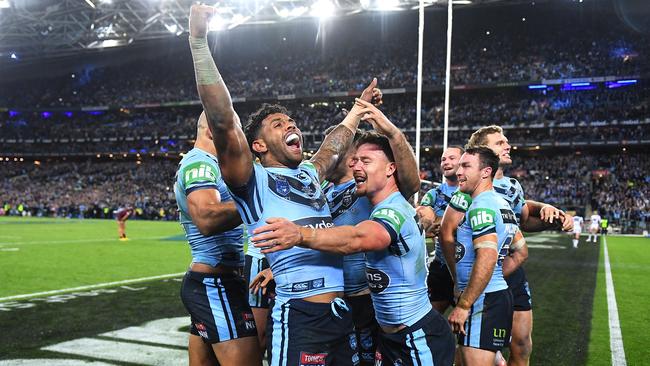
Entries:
{"x":334,"y":146}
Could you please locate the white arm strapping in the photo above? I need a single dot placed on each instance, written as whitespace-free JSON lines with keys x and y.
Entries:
{"x":204,"y":67}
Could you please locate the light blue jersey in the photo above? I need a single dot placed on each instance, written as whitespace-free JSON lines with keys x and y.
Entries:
{"x":397,"y":275}
{"x":512,"y":192}
{"x":200,"y":170}
{"x":438,"y":198}
{"x":488,"y":213}
{"x":349,"y":209}
{"x":294,"y":194}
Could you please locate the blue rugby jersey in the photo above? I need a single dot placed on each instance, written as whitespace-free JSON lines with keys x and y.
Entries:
{"x":438,"y":198}
{"x":397,"y":275}
{"x":200,"y":170}
{"x":512,"y":192}
{"x":349,"y":209}
{"x":487,"y":213}
{"x":294,"y":194}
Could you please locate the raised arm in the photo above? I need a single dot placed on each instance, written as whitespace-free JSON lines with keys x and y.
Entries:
{"x":337,"y":142}
{"x":408,"y":174}
{"x":235,"y":157}
{"x":211,"y":215}
{"x":282,"y":234}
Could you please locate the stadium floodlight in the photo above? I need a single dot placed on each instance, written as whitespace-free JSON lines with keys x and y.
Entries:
{"x":323,"y":9}
{"x":5,"y":4}
{"x":14,"y":56}
{"x":387,"y":5}
{"x":217,"y":23}
{"x":171,"y":28}
{"x":290,"y":12}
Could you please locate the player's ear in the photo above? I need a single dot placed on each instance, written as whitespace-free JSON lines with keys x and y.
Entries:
{"x":390,"y":169}
{"x":259,"y":146}
{"x":486,"y":173}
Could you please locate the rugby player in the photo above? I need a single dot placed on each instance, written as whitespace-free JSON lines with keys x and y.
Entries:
{"x":348,"y":208}
{"x":412,"y":332}
{"x":594,"y":226}
{"x":531,"y":215}
{"x":432,"y":208}
{"x":483,"y":313}
{"x":213,"y":291}
{"x":121,"y":215}
{"x":310,"y":322}
{"x":578,"y":222}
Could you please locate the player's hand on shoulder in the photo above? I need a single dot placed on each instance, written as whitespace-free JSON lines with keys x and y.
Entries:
{"x":277,"y":234}
{"x":199,"y":19}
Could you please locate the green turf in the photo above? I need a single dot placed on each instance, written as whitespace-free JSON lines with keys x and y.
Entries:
{"x":50,"y":254}
{"x":630,"y":263}
{"x":599,"y":351}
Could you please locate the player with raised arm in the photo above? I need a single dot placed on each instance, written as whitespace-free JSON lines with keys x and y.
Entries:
{"x":310,"y":322}
{"x":432,"y":208}
{"x":594,"y":226}
{"x":412,"y":332}
{"x":483,"y":314}
{"x":213,"y":290}
{"x":578,"y":223}
{"x":348,"y":208}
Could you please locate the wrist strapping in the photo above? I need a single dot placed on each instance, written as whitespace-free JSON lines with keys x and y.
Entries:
{"x":205,"y":69}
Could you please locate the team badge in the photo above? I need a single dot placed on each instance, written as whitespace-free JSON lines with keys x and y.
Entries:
{"x":366,"y":341}
{"x":282,"y":186}
{"x":347,"y":199}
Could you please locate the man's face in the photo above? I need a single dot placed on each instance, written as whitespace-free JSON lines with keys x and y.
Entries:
{"x":449,"y":162}
{"x":371,"y":169}
{"x":470,"y":173}
{"x":499,"y":144}
{"x":282,"y":139}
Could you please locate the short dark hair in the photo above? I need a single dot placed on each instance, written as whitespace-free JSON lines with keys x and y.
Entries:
{"x":486,"y":157}
{"x":252,"y":128}
{"x":372,"y":137}
{"x":462,"y":149}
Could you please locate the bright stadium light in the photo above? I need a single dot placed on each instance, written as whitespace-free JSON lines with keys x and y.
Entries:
{"x":388,"y":5}
{"x":171,"y":28}
{"x":5,"y":4}
{"x":323,"y":9}
{"x":217,"y":23}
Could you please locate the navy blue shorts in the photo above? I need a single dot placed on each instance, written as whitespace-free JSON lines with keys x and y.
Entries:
{"x":427,"y":342}
{"x":311,"y":334}
{"x":489,"y":323}
{"x":218,"y":306}
{"x":518,"y":286}
{"x":366,"y":327}
{"x":439,"y":282}
{"x":252,"y":267}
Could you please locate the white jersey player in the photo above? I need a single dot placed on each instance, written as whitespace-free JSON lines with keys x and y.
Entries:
{"x":578,"y":222}
{"x":594,"y":226}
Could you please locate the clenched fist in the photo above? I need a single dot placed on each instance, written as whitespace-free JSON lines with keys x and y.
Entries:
{"x":199,"y":19}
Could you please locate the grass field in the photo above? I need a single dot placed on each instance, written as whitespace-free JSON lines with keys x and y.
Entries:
{"x":142,"y":322}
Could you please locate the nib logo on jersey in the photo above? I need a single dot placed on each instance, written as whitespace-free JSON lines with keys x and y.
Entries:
{"x":312,"y":359}
{"x":378,"y":281}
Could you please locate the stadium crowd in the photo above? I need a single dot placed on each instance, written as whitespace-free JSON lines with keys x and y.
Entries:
{"x":290,"y":62}
{"x":616,"y":185}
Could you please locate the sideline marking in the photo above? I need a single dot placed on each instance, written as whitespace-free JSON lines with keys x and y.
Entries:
{"x":615,"y":335}
{"x":90,"y":287}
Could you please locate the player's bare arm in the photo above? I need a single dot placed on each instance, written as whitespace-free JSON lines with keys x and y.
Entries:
{"x":429,"y":221}
{"x":447,"y":237}
{"x":518,"y":254}
{"x":337,"y":142}
{"x":209,"y":214}
{"x":235,"y":158}
{"x":486,"y":258}
{"x":408,"y":174}
{"x":282,"y":234}
{"x":551,"y":217}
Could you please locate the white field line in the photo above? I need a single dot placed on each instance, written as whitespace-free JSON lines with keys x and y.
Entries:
{"x":615,"y":335}
{"x":80,"y":240}
{"x":90,"y":287}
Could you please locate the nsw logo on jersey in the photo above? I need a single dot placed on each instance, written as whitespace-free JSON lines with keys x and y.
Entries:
{"x":481,"y":218}
{"x":199,"y":172}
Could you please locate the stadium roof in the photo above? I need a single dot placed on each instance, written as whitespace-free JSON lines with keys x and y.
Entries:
{"x":46,"y":28}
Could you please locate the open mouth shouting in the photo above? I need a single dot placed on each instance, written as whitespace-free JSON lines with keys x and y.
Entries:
{"x":292,"y":140}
